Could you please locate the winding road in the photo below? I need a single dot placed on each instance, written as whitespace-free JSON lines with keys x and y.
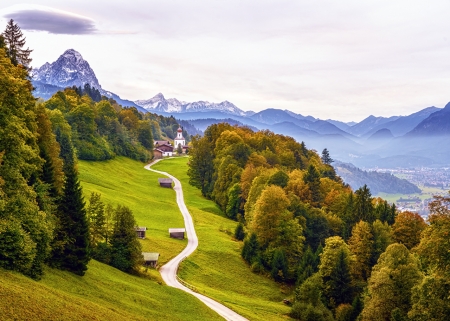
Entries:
{"x":169,"y":270}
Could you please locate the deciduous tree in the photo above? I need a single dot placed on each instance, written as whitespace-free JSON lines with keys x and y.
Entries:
{"x":407,"y":228}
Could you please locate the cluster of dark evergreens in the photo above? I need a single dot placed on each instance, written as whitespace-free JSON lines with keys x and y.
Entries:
{"x":347,"y":253}
{"x":112,"y":235}
{"x":43,"y":219}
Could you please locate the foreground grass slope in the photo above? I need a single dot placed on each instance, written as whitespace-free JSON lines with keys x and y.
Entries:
{"x":216,"y":268}
{"x":126,"y":182}
{"x":104,"y":293}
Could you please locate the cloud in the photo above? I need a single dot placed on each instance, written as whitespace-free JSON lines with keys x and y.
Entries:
{"x":51,"y":20}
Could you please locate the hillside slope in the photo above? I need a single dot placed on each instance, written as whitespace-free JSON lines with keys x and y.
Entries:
{"x":104,"y":293}
{"x":217,"y":269}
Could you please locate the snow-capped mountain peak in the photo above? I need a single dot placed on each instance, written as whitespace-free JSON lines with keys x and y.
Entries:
{"x":70,"y":69}
{"x":172,"y":105}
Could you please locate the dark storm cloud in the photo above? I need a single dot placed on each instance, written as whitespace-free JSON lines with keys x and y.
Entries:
{"x":53,"y":22}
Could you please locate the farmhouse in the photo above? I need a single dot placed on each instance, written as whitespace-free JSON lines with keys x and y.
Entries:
{"x":150,"y":259}
{"x":164,"y":149}
{"x":161,"y":142}
{"x":140,"y":231}
{"x":177,"y":233}
{"x":165,"y":182}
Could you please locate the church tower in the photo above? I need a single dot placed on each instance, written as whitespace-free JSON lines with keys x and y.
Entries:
{"x":179,"y":140}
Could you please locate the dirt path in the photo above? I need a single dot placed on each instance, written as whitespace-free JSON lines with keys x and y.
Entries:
{"x":169,"y":270}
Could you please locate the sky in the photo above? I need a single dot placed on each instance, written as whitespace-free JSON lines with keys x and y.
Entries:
{"x":342,"y":60}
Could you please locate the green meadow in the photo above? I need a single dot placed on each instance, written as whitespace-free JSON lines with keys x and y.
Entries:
{"x":126,"y":182}
{"x":104,"y":293}
{"x":216,"y":269}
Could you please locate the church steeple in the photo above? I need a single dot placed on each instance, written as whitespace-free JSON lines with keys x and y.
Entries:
{"x":179,"y":140}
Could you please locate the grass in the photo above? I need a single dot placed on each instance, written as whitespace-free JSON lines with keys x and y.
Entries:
{"x":216,"y":269}
{"x":104,"y":293}
{"x":126,"y":182}
{"x":427,"y":192}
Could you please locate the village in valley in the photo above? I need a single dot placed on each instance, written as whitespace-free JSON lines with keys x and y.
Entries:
{"x":431,"y":180}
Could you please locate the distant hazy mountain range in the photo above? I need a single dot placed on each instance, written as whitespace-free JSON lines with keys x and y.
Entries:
{"x":419,"y":139}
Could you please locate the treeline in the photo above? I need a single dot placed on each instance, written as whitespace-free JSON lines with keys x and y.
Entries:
{"x":301,"y":225}
{"x":43,"y":218}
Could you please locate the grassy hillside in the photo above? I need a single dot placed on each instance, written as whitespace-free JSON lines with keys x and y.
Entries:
{"x":216,"y":268}
{"x":104,"y":293}
{"x":125,"y":181}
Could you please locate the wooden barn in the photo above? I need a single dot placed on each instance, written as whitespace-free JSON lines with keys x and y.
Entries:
{"x":177,"y":233}
{"x":150,"y":259}
{"x":140,"y":231}
{"x":165,"y":182}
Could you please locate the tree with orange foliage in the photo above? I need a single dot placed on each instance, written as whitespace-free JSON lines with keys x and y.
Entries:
{"x":407,"y":228}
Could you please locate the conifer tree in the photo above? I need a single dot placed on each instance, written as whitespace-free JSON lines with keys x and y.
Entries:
{"x":326,"y":159}
{"x":312,"y":178}
{"x":15,"y":41}
{"x":71,"y":246}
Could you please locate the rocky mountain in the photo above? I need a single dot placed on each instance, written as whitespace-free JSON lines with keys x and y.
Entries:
{"x":70,"y":69}
{"x":160,"y":104}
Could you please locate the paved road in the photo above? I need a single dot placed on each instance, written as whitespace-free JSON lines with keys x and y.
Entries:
{"x":169,"y":270}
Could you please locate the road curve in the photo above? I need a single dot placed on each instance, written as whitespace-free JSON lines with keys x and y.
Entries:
{"x":169,"y":270}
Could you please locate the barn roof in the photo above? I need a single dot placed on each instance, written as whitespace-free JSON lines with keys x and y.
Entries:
{"x":177,"y":230}
{"x":140,"y":228}
{"x":165,"y":180}
{"x":150,"y":256}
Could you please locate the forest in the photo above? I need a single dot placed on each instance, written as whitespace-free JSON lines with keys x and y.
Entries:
{"x":350,"y":256}
{"x":43,"y":216}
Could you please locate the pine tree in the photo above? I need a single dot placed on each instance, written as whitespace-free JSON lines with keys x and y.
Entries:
{"x":250,"y":249}
{"x":15,"y":41}
{"x":312,"y":178}
{"x":71,"y":245}
{"x":326,"y":159}
{"x":339,"y":281}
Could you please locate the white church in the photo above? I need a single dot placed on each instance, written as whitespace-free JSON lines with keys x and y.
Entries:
{"x":179,"y":140}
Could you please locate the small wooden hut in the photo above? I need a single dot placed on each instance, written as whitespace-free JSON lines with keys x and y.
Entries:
{"x":150,"y":259}
{"x":177,"y":233}
{"x":140,"y":231}
{"x":165,"y":182}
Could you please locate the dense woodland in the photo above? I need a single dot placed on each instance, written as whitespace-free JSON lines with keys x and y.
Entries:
{"x":350,"y":256}
{"x":43,"y":216}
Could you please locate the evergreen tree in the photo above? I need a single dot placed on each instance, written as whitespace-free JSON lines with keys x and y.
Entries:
{"x":71,"y":246}
{"x":279,"y":266}
{"x":15,"y":41}
{"x":339,"y":281}
{"x":363,"y":205}
{"x":326,"y":159}
{"x":239,"y":233}
{"x":251,"y":248}
{"x":312,"y":178}
{"x":126,"y":251}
